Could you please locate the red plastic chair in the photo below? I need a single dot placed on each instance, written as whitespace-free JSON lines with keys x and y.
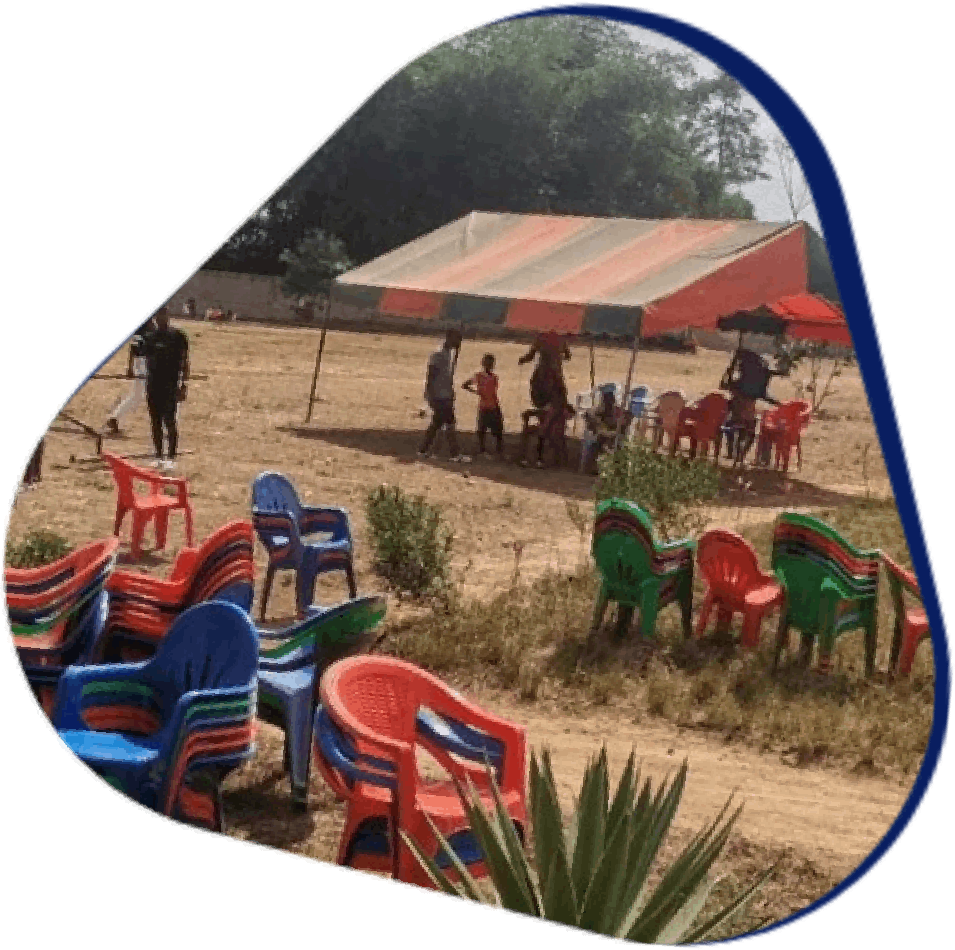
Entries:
{"x":666,"y":417}
{"x":154,"y":506}
{"x":781,"y":430}
{"x":911,"y":623}
{"x":702,"y":424}
{"x":375,"y":712}
{"x":736,"y":583}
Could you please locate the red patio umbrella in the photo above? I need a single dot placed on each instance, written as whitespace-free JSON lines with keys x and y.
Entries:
{"x":809,"y":317}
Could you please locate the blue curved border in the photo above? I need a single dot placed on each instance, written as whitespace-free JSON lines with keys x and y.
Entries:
{"x":835,"y":215}
{"x":837,"y":231}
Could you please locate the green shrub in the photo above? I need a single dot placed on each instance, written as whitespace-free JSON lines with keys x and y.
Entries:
{"x":670,"y":490}
{"x":596,"y":873}
{"x":36,"y":549}
{"x":411,"y":541}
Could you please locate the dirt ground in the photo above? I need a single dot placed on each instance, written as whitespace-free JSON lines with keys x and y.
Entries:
{"x":248,"y":418}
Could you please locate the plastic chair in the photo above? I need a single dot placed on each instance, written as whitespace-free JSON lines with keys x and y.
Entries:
{"x":591,"y":441}
{"x":637,"y":572}
{"x":154,"y":506}
{"x":638,"y":405}
{"x":831,"y":588}
{"x":168,"y":730}
{"x":283,"y":524}
{"x":666,"y":417}
{"x":911,"y":623}
{"x":702,"y":424}
{"x":57,"y":613}
{"x":780,"y":433}
{"x":735,"y":584}
{"x":142,"y":608}
{"x":375,"y":711}
{"x":291,"y":663}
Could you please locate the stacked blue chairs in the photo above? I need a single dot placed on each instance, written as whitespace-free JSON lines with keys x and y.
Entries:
{"x":58,"y":613}
{"x":166,"y":731}
{"x":291,"y":668}
{"x":284,"y":525}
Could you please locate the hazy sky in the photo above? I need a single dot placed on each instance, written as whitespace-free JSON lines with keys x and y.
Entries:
{"x":767,"y":196}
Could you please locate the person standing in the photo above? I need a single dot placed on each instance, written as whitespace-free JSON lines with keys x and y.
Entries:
{"x":490,"y":417}
{"x":166,"y":351}
{"x":135,"y":371}
{"x":439,"y":394}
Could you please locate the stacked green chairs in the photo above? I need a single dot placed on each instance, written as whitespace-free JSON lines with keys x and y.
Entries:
{"x":636,"y":571}
{"x":831,"y":588}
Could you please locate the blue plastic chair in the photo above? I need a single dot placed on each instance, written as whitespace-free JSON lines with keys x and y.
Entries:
{"x":166,"y":731}
{"x":291,"y":668}
{"x":283,"y":524}
{"x":639,"y":407}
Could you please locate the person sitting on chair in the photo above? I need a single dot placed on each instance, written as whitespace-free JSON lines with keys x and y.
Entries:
{"x":747,"y":380}
{"x":603,"y":422}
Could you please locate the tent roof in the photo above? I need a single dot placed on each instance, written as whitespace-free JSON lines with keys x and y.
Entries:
{"x":563,"y":259}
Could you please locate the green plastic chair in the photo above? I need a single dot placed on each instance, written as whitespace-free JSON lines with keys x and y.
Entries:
{"x":637,"y":572}
{"x":831,"y":588}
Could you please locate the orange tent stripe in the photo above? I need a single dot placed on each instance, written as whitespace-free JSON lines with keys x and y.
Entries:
{"x":411,"y":303}
{"x":546,"y":315}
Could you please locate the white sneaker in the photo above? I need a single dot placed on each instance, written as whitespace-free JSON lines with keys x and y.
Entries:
{"x":169,"y":465}
{"x":461,"y":459}
{"x":157,"y":463}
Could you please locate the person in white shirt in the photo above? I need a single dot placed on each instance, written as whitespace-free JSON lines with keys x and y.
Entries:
{"x":136,"y":371}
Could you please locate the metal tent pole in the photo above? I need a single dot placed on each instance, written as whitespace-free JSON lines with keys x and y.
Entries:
{"x":318,"y":360}
{"x":637,"y":330}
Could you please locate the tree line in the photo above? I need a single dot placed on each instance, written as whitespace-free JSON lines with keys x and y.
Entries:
{"x":567,"y":115}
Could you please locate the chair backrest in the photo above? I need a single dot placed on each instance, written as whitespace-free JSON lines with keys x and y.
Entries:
{"x":900,"y":582}
{"x":124,"y":475}
{"x":809,"y":551}
{"x":272,"y":492}
{"x":728,"y":562}
{"x":225,"y":558}
{"x":210,"y":646}
{"x":637,"y":401}
{"x":624,"y":547}
{"x":668,"y":408}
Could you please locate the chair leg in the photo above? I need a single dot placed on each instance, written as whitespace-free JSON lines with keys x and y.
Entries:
{"x":782,"y":637}
{"x":709,"y":601}
{"x":600,"y":608}
{"x":752,"y":625}
{"x":162,"y":529}
{"x":304,"y":589}
{"x":118,"y":521}
{"x":140,"y":520}
{"x":350,"y":577}
{"x":624,"y":619}
{"x":806,"y":643}
{"x":724,"y":620}
{"x":909,"y":647}
{"x":266,"y":590}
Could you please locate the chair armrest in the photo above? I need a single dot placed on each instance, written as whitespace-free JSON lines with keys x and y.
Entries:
{"x":270,"y":525}
{"x":904,"y":577}
{"x":332,"y":520}
{"x":78,"y":681}
{"x":380,"y":766}
{"x":216,"y":706}
{"x":134,"y":586}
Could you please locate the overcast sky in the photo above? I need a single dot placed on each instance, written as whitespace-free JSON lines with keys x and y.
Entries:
{"x":767,"y":196}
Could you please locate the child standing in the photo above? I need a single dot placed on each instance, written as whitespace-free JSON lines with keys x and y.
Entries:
{"x":490,"y":417}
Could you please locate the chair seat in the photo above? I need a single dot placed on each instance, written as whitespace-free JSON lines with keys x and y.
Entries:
{"x":916,"y":619}
{"x":145,"y":502}
{"x":764,"y":595}
{"x":111,"y":748}
{"x":439,"y":798}
{"x":286,"y":684}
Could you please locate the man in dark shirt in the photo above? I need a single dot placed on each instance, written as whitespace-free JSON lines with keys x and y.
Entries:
{"x":166,"y":351}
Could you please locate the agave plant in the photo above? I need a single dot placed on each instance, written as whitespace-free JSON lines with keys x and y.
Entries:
{"x":595,"y":873}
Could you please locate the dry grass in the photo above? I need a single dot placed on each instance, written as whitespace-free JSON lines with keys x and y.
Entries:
{"x":519,"y":616}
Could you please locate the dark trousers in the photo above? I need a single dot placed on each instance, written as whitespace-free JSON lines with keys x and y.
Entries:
{"x":163,"y":408}
{"x":491,"y":420}
{"x":442,"y":417}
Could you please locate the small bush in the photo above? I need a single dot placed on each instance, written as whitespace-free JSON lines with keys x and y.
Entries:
{"x":36,"y":549}
{"x":411,"y":540}
{"x":670,"y":490}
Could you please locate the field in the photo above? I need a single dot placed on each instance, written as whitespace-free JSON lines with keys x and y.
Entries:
{"x":823,"y":766}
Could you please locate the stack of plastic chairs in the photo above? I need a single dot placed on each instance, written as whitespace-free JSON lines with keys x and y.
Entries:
{"x":780,"y":433}
{"x":284,"y":525}
{"x":831,"y":588}
{"x":58,"y":612}
{"x":291,"y":664}
{"x":702,"y":425}
{"x":143,"y":608}
{"x":636,"y":571}
{"x":168,"y":730}
{"x":375,"y":711}
{"x":666,"y":417}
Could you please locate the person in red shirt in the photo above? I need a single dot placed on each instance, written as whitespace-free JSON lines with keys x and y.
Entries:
{"x":490,"y":417}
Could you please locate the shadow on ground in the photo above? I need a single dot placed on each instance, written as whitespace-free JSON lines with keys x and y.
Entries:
{"x":754,"y":488}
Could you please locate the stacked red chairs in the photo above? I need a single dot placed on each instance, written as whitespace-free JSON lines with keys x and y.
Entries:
{"x":735,"y":584}
{"x":702,"y":425}
{"x":780,"y":433}
{"x":58,"y":611}
{"x":911,"y":622}
{"x":154,"y":506}
{"x":375,"y":712}
{"x":143,"y":608}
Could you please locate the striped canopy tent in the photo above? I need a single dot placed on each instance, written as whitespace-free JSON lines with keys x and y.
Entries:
{"x":592,"y":278}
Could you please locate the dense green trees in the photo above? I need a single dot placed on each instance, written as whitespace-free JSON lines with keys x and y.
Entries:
{"x":560,"y":114}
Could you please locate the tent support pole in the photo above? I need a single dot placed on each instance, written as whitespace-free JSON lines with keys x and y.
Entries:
{"x":593,"y":371}
{"x":318,"y":361}
{"x":637,"y":330}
